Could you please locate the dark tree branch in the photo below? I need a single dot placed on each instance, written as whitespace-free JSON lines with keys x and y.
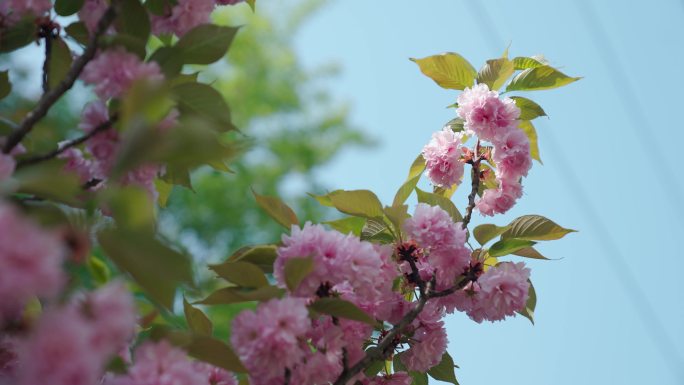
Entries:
{"x":72,"y":143}
{"x":475,"y":185}
{"x":52,"y":96}
{"x":48,"y":35}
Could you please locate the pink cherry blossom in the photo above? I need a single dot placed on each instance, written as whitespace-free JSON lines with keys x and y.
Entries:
{"x":485,"y":114}
{"x":214,"y":375}
{"x":13,"y":10}
{"x":112,"y":316}
{"x":503,"y":290}
{"x":442,"y":158}
{"x":8,"y":358}
{"x":182,"y":17}
{"x":30,"y":262}
{"x":427,"y":345}
{"x":432,"y":228}
{"x":512,"y":155}
{"x":498,"y":201}
{"x":92,"y":12}
{"x":268,"y":339}
{"x":7,"y":165}
{"x":114,"y":71}
{"x":159,"y":363}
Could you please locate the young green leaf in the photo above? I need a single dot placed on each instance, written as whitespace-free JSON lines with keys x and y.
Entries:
{"x":214,"y":352}
{"x":508,"y":246}
{"x":449,"y":70}
{"x":296,"y":269}
{"x":342,"y":309}
{"x":397,"y":215}
{"x":262,"y":256}
{"x":495,"y":73}
{"x":529,"y":252}
{"x":277,"y":210}
{"x":529,"y":110}
{"x":229,"y":295}
{"x":528,"y":311}
{"x":243,"y":274}
{"x":487,"y":232}
{"x":406,"y":189}
{"x":444,"y":371}
{"x":203,"y":100}
{"x":535,"y":227}
{"x":523,"y":63}
{"x":360,"y":203}
{"x":205,"y":43}
{"x":531,"y":132}
{"x":539,"y":78}
{"x":197,"y":320}
{"x":353,"y":225}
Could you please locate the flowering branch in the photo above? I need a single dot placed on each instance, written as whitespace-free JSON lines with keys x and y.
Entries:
{"x":52,"y":96}
{"x":72,"y":143}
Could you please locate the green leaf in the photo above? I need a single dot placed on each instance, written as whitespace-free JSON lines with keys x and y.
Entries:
{"x":539,"y":78}
{"x":522,"y":63}
{"x":374,"y":368}
{"x":178,"y":176}
{"x":531,"y":132}
{"x":215,"y":352}
{"x":508,"y":246}
{"x":17,"y":36}
{"x":230,"y":295}
{"x":159,"y":7}
{"x":495,"y":73}
{"x":129,"y":43}
{"x":418,"y":378}
{"x":263,"y":256}
{"x":353,"y":225}
{"x":131,"y":208}
{"x":201,"y":99}
{"x":277,"y":210}
{"x":5,"y":85}
{"x":48,"y":180}
{"x":169,"y":60}
{"x":528,"y":109}
{"x":342,"y":309}
{"x":528,"y":311}
{"x":397,"y":215}
{"x":79,"y":32}
{"x":360,"y":203}
{"x":133,"y":20}
{"x":376,"y":230}
{"x":444,"y":371}
{"x":205,"y":43}
{"x":68,"y":7}
{"x":157,"y":268}
{"x":252,"y":4}
{"x":529,"y":252}
{"x":98,"y":270}
{"x":164,"y":189}
{"x":487,"y":232}
{"x":417,"y":167}
{"x":449,"y":70}
{"x":296,"y":269}
{"x":437,"y":200}
{"x":455,"y":125}
{"x":197,"y":320}
{"x":406,"y":189}
{"x":241,"y":273}
{"x":535,"y":227}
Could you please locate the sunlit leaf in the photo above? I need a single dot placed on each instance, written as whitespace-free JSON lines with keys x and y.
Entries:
{"x":406,"y":189}
{"x":131,"y":208}
{"x":229,"y":295}
{"x":203,"y":100}
{"x":539,"y":78}
{"x":361,"y":203}
{"x":164,"y":189}
{"x":509,"y":246}
{"x":342,"y":309}
{"x":486,"y":232}
{"x":397,"y":215}
{"x":296,"y":269}
{"x":353,"y":225}
{"x":444,"y":371}
{"x":529,"y":110}
{"x":197,"y":320}
{"x":528,"y":311}
{"x":448,"y":70}
{"x":535,"y":227}
{"x":277,"y":210}
{"x":455,"y":125}
{"x":262,"y":256}
{"x":529,"y":252}
{"x":522,"y":63}
{"x":531,"y":132}
{"x":495,"y":73}
{"x":98,"y":269}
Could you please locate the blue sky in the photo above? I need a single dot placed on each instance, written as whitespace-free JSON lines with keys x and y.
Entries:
{"x":611,"y":309}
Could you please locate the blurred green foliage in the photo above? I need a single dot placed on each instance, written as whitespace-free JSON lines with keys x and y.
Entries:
{"x":293,"y":124}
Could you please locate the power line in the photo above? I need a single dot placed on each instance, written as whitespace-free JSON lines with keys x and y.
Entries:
{"x":646,"y":312}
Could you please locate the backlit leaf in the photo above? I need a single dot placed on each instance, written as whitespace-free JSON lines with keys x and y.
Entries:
{"x":528,"y":109}
{"x":406,"y":189}
{"x":522,"y":63}
{"x":487,"y":232}
{"x":535,"y":227}
{"x":531,"y":132}
{"x":361,"y":203}
{"x":495,"y":73}
{"x":539,"y":78}
{"x":438,"y":200}
{"x":529,"y":252}
{"x":528,"y":311}
{"x":342,"y":309}
{"x":509,"y":246}
{"x":241,"y":273}
{"x":449,"y":70}
{"x":353,"y":225}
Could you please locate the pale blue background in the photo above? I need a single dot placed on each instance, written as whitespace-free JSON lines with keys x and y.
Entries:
{"x":611,"y":311}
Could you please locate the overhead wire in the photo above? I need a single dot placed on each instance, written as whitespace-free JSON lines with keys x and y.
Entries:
{"x":630,"y":283}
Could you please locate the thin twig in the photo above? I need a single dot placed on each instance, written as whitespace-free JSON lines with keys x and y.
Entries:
{"x":475,"y":185}
{"x":48,"y":35}
{"x":52,"y":96}
{"x":72,"y":143}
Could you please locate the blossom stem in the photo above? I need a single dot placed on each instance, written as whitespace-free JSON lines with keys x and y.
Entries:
{"x":72,"y":143}
{"x":50,"y":97}
{"x":475,"y":185}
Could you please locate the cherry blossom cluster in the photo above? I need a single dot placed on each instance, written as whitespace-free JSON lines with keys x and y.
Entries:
{"x":492,"y":119}
{"x":281,"y":340}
